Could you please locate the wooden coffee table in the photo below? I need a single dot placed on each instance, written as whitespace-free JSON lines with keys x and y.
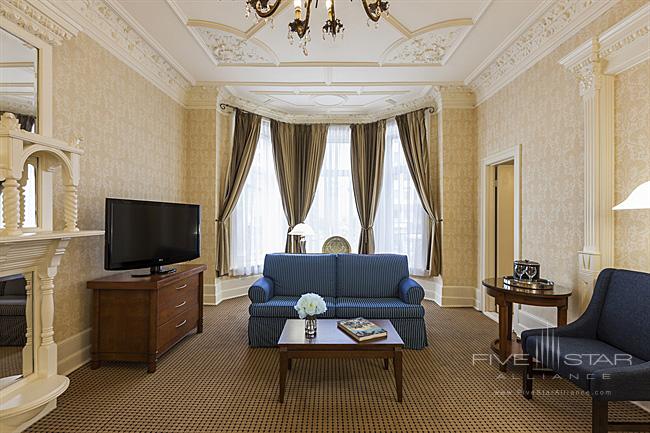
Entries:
{"x":331,"y":342}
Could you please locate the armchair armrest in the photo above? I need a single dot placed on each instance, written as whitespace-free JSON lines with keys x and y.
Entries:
{"x":261,"y":290}
{"x":630,"y":382}
{"x":584,"y":327}
{"x":410,"y":291}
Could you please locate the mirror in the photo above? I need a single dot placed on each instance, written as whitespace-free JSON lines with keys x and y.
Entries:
{"x":16,"y":354}
{"x":18,"y":95}
{"x":18,"y":80}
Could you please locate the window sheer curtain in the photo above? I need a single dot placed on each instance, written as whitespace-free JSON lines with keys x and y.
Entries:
{"x":401,"y":224}
{"x":333,"y":212}
{"x":258,"y":224}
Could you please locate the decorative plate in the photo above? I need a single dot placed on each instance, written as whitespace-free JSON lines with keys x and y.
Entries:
{"x":336,"y":245}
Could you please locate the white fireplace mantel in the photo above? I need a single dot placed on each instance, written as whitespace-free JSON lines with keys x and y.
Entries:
{"x":36,"y":254}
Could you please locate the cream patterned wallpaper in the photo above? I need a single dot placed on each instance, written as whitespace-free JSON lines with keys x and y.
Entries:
{"x":133,"y":142}
{"x":200,"y":178}
{"x":632,"y":228}
{"x":542,"y":111}
{"x":459,"y":192}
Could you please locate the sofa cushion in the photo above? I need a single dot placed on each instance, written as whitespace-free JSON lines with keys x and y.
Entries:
{"x":297,"y":274}
{"x":624,"y":320}
{"x":282,"y":306}
{"x":377,"y":308}
{"x":370,"y":276}
{"x":577,"y":358}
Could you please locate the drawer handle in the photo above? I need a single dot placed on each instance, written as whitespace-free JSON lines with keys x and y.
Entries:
{"x":181,"y":304}
{"x":181,"y":287}
{"x":182,"y":323}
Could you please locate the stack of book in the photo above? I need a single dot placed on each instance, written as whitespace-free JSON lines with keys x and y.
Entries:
{"x":361,"y":329}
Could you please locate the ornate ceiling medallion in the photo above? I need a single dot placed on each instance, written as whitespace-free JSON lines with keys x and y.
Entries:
{"x":431,"y":48}
{"x":264,"y":9}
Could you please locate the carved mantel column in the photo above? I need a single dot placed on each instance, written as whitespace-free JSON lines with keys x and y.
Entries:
{"x":46,"y":273}
{"x":597,"y":90}
{"x":22,"y":184}
{"x":11,"y":207}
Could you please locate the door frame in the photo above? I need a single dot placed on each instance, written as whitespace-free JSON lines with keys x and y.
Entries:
{"x":486,"y":214}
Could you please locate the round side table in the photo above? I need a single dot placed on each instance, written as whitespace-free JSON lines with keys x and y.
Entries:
{"x":505,"y":295}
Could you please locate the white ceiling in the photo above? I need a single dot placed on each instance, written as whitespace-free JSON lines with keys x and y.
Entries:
{"x":421,"y":44}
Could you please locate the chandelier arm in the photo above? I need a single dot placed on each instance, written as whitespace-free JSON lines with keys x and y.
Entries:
{"x":270,"y":12}
{"x":303,"y":25}
{"x":374,"y":18}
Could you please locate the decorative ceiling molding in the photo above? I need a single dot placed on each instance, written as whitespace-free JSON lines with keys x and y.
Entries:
{"x":226,"y":97}
{"x":550,"y":25}
{"x":433,"y":48}
{"x":38,"y":18}
{"x":227,"y":48}
{"x":622,"y":46}
{"x":110,"y":26}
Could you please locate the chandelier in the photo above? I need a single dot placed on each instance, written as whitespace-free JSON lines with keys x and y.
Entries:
{"x":264,"y":9}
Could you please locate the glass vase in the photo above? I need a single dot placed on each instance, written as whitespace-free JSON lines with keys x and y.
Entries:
{"x":310,"y":327}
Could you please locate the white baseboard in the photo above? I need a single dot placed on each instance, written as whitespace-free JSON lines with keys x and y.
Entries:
{"x":74,"y":352}
{"x":492,"y":315}
{"x":447,"y":296}
{"x":530,"y":321}
{"x":210,"y":294}
{"x":228,"y":288}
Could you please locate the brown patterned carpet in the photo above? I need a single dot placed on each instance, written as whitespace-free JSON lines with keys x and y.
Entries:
{"x":214,"y":383}
{"x":11,"y":360}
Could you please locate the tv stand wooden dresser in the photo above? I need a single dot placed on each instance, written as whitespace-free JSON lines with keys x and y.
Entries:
{"x":139,"y":319}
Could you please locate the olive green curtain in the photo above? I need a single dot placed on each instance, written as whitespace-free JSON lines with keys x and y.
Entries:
{"x":244,"y":143}
{"x":367,"y":154}
{"x":413,"y":135}
{"x":298,"y":152}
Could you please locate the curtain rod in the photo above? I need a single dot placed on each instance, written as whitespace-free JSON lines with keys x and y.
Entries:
{"x":224,"y":106}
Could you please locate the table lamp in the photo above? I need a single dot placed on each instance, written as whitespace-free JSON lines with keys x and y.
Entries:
{"x":302,"y":230}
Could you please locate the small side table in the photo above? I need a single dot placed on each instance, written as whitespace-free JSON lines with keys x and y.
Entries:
{"x":505,"y":295}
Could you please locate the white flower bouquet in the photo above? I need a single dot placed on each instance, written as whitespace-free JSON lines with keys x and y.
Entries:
{"x":310,"y":304}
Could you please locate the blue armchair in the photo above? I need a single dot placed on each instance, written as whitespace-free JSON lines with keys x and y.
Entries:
{"x":606,"y":352}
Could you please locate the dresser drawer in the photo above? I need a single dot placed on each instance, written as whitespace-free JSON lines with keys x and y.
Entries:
{"x":173,"y":330}
{"x":177,"y":297}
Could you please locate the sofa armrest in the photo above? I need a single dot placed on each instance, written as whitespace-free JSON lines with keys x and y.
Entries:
{"x":410,"y":291}
{"x":261,"y":290}
{"x":630,"y":382}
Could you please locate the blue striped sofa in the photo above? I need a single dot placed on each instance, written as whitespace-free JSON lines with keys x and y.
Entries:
{"x":374,"y":286}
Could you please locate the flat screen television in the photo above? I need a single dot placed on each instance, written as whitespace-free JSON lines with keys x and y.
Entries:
{"x":141,"y":234}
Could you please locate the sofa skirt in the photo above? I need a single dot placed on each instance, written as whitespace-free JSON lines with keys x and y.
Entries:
{"x":265,"y":331}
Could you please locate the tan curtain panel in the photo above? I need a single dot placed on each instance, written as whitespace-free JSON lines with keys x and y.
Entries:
{"x":246,"y":134}
{"x":298,"y":152}
{"x":413,"y":135}
{"x":367,"y":153}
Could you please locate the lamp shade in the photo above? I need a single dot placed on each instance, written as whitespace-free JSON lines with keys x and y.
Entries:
{"x":638,"y":199}
{"x":301,"y":229}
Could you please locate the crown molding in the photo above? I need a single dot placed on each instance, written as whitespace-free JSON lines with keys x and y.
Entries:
{"x":620,"y":47}
{"x":225,"y":97}
{"x":39,"y":18}
{"x":547,"y":27}
{"x":110,"y":26}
